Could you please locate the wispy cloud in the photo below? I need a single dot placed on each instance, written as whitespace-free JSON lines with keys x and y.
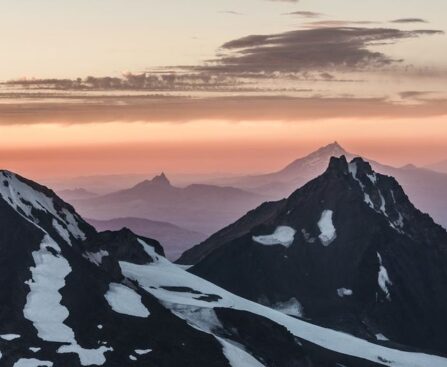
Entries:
{"x":409,"y":20}
{"x":305,"y":14}
{"x":230,"y":12}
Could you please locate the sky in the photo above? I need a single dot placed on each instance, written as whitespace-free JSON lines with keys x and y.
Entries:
{"x":97,"y":87}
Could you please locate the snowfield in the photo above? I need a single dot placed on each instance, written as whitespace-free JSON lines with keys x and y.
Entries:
{"x":43,"y":304}
{"x":155,"y":277}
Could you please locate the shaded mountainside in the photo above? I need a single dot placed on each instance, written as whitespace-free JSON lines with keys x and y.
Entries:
{"x":71,"y":296}
{"x":197,"y":208}
{"x":347,"y":250}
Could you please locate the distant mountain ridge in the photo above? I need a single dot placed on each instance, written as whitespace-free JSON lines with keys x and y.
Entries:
{"x":439,"y":167}
{"x":197,"y":207}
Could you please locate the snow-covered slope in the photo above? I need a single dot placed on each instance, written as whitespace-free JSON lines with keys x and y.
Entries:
{"x":195,"y":300}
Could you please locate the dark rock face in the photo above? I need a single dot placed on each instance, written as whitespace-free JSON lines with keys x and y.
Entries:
{"x":242,"y":226}
{"x":355,"y":254}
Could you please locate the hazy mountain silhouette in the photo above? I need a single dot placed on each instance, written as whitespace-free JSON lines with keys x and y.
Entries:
{"x":197,"y":207}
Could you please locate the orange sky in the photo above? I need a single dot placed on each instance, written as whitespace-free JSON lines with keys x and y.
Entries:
{"x":211,"y":146}
{"x":193,"y":87}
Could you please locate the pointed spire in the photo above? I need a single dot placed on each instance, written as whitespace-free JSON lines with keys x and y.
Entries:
{"x":161,"y":180}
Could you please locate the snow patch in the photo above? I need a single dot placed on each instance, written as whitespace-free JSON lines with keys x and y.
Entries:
{"x":283,"y":235}
{"x":43,"y":303}
{"x":383,"y":279}
{"x":34,"y":349}
{"x":328,"y":233}
{"x":291,"y":307}
{"x":9,"y":337}
{"x":343,"y":292}
{"x":61,"y":231}
{"x":372,"y":177}
{"x":381,"y":337}
{"x":236,"y":356}
{"x":32,"y":362}
{"x":95,"y":257}
{"x":87,"y":357}
{"x":125,"y":300}
{"x":141,"y":352}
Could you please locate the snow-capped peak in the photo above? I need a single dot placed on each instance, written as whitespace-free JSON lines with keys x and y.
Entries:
{"x":31,"y":201}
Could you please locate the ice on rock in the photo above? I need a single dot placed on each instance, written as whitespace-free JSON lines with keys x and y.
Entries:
{"x":125,"y":300}
{"x":283,"y":235}
{"x":343,"y":292}
{"x":327,"y":230}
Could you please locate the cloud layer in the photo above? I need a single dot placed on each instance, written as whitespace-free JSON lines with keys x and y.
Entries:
{"x":179,"y":109}
{"x":346,"y":48}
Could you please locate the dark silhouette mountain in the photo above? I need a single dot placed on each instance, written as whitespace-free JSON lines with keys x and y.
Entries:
{"x":71,"y":296}
{"x":426,"y":188}
{"x":347,"y":250}
{"x":198,"y":208}
{"x":173,"y":238}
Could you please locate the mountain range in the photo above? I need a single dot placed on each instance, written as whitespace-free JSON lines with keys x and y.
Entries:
{"x":72,"y":296}
{"x":197,"y":207}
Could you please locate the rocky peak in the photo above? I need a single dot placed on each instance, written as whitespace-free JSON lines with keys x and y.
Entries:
{"x":161,"y":180}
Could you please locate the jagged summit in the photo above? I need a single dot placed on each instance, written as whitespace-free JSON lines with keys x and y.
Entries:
{"x":314,"y":163}
{"x":161,"y":180}
{"x":333,"y":149}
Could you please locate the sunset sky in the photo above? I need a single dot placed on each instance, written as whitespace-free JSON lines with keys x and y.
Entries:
{"x":218,"y":86}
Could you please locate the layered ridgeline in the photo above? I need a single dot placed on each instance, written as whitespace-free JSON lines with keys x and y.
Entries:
{"x":70,"y":296}
{"x":348,"y":250}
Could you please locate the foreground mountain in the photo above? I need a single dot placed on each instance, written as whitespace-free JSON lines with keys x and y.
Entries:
{"x":71,"y":296}
{"x":426,"y":188}
{"x":173,"y":238}
{"x":348,"y":250}
{"x":198,"y":208}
